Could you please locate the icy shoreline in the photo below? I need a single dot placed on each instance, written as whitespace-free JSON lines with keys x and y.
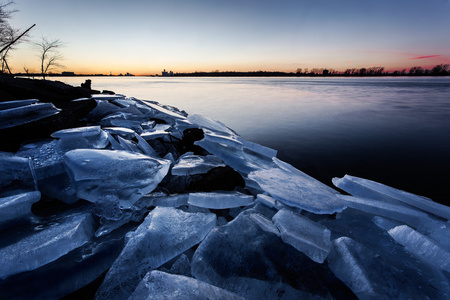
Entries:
{"x":153,"y":202}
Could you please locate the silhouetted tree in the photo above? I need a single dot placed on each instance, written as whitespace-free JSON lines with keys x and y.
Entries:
{"x":416,"y":71}
{"x":362,"y":71}
{"x":299,"y":71}
{"x":49,"y":54}
{"x":440,"y":69}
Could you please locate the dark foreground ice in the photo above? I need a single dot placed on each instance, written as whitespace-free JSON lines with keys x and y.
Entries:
{"x":146,"y":202}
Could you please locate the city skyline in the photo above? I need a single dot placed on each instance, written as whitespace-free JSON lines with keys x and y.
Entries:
{"x":145,"y":37}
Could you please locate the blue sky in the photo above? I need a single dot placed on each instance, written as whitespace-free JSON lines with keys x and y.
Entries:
{"x":144,"y":37}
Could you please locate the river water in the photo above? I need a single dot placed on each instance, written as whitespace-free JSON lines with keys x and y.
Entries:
{"x":394,"y":130}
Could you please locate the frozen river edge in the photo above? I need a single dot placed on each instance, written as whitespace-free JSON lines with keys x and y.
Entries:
{"x":142,"y":200}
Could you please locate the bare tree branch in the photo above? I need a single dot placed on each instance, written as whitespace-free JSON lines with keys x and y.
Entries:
{"x":49,"y":54}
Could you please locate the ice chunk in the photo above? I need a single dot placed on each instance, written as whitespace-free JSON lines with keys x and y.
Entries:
{"x":103,"y":108}
{"x":17,"y":103}
{"x":46,"y":156}
{"x":233,"y":153}
{"x":360,"y":227}
{"x":123,"y":119}
{"x":303,"y":234}
{"x":294,"y":188}
{"x":128,"y":176}
{"x":69,"y":273}
{"x":370,"y":189}
{"x":24,"y":114}
{"x":421,"y":246}
{"x":205,"y":122}
{"x":126,"y":133}
{"x":47,"y":245}
{"x":257,"y":148}
{"x":266,"y":200}
{"x":367,"y":274}
{"x":107,"y":97}
{"x":82,"y":137}
{"x":245,"y":258}
{"x":196,"y":164}
{"x":169,"y":201}
{"x":145,"y":147}
{"x":16,"y":175}
{"x":164,"y":234}
{"x":151,"y":135}
{"x":17,"y":207}
{"x":161,"y":285}
{"x":168,"y":114}
{"x":399,"y":212}
{"x":220,"y":200}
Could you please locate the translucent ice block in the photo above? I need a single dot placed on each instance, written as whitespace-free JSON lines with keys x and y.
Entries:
{"x":294,"y":188}
{"x":220,"y":200}
{"x":164,"y":234}
{"x":45,"y":246}
{"x":127,"y":176}
{"x":303,"y":234}
{"x":374,"y":190}
{"x":161,"y":285}
{"x":17,"y":207}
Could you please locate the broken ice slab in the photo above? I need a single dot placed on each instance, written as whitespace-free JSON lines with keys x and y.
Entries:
{"x":216,"y":126}
{"x":196,"y":164}
{"x":67,"y":274}
{"x":220,"y":200}
{"x":168,"y":114}
{"x":294,"y":188}
{"x":398,"y":212}
{"x":17,"y":103}
{"x":168,"y":201}
{"x":82,"y":137}
{"x":164,"y":234}
{"x":16,"y":175}
{"x":107,"y":96}
{"x":161,"y":285}
{"x":370,"y":189}
{"x":42,"y":247}
{"x":257,"y":148}
{"x":232,"y":152}
{"x":360,"y":227}
{"x":123,"y":119}
{"x":421,"y":246}
{"x":103,"y":108}
{"x":126,"y":133}
{"x":303,"y":234}
{"x":46,"y":156}
{"x":17,"y":207}
{"x":16,"y":116}
{"x":367,"y":274}
{"x":145,"y":147}
{"x":252,"y":261}
{"x":124,"y":175}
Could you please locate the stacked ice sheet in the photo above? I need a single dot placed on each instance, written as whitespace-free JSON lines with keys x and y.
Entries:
{"x":147,"y":202}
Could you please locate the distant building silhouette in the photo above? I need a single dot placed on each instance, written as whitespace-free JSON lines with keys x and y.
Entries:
{"x":165,"y":73}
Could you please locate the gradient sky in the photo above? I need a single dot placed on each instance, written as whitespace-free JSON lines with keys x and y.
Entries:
{"x":146,"y":36}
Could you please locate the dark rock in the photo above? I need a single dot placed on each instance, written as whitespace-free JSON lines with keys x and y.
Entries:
{"x":45,"y":90}
{"x":220,"y":178}
{"x":69,"y":117}
{"x":187,"y":143}
{"x":87,"y":84}
{"x":108,"y":92}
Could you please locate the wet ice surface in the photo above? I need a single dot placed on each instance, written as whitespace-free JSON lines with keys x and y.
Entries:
{"x":169,"y":205}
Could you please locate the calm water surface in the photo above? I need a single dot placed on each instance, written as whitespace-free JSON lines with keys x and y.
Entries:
{"x":392,"y":130}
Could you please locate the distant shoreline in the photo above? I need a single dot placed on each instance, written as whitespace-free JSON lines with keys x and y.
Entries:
{"x":237,"y":74}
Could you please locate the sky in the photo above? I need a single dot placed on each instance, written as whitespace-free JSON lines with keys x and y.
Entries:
{"x":147,"y":36}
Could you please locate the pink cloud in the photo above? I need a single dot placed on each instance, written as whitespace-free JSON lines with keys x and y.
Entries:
{"x":422,"y":57}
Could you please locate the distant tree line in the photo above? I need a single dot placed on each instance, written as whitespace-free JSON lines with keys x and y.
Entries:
{"x":438,"y":70}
